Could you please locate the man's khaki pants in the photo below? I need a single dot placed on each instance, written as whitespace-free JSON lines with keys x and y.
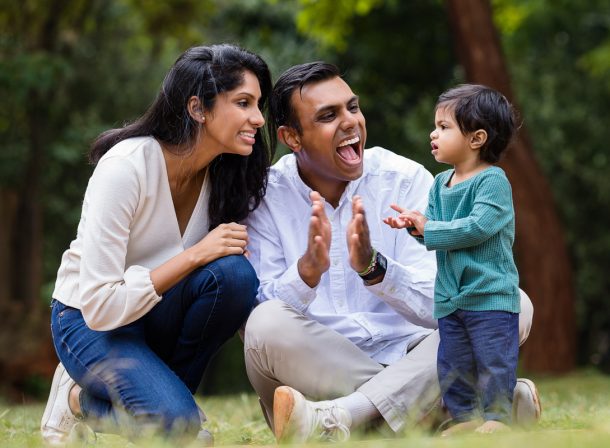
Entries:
{"x":283,"y":347}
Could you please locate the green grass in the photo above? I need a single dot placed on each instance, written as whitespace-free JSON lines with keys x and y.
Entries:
{"x":576,"y":413}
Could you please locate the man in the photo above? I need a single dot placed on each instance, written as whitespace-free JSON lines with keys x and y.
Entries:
{"x":346,"y":312}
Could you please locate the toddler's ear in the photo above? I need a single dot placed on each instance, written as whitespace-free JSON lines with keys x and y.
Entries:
{"x":478,"y":138}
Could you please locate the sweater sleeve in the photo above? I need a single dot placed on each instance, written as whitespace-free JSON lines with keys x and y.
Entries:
{"x":491,"y":211}
{"x":430,"y":208}
{"x":111,"y":295}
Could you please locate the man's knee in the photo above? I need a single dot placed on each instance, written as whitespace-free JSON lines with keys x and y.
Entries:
{"x":272,"y":323}
{"x":525,"y":317}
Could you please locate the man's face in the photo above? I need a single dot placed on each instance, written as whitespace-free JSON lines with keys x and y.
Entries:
{"x":330,"y":146}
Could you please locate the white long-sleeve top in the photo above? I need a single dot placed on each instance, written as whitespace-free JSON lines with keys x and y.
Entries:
{"x":381,"y":319}
{"x":128,"y":227}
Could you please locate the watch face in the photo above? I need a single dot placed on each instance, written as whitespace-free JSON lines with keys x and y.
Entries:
{"x":382,"y":261}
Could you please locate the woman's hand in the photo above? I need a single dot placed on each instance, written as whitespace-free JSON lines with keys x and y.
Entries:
{"x":226,"y":239}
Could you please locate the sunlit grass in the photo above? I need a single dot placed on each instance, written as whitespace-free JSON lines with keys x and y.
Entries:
{"x":576,"y":413}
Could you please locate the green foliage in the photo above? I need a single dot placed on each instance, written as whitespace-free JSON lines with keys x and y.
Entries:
{"x":226,"y":373}
{"x":330,"y":21}
{"x":268,"y":28}
{"x":399,"y":68}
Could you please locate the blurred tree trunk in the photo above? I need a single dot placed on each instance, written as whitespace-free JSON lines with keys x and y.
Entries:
{"x":542,"y":257}
{"x":8,"y":206}
{"x":25,"y":341}
{"x":26,"y":236}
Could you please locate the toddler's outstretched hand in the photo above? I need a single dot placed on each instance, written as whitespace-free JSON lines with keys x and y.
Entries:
{"x":411,"y":220}
{"x":397,"y":222}
{"x":417,"y":220}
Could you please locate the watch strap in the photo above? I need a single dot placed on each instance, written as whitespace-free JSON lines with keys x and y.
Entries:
{"x":378,"y":267}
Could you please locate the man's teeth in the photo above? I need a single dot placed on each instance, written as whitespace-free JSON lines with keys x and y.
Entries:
{"x":349,"y":142}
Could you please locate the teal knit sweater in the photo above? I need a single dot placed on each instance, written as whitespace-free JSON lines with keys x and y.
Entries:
{"x":472,"y":228}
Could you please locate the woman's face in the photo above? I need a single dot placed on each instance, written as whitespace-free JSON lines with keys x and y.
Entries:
{"x":231,"y":125}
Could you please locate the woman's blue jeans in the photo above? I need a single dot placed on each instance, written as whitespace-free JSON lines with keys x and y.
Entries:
{"x":477,"y":363}
{"x":146,"y":373}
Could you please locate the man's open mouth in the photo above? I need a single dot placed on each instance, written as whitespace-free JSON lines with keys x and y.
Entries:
{"x":349,"y":149}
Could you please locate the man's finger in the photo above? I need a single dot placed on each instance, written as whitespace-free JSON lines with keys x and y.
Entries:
{"x":319,"y":249}
{"x":313,"y":228}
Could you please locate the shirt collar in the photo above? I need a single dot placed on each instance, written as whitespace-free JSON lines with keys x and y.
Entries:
{"x":304,"y":189}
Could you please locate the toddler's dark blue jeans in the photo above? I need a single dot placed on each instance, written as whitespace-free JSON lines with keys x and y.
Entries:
{"x":144,"y":374}
{"x":477,"y":363}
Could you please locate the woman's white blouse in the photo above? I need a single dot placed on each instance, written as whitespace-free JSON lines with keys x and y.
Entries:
{"x":127,"y":228}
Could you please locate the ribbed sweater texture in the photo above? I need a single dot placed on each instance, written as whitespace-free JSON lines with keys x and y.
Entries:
{"x":472,"y":229}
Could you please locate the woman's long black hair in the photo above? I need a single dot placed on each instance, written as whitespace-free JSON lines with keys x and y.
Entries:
{"x":238,"y":183}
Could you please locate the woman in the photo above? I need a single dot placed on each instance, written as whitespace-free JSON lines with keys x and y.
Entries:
{"x":156,"y":279}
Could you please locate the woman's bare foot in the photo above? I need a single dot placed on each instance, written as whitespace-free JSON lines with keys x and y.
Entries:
{"x":492,"y":426}
{"x":461,"y":427}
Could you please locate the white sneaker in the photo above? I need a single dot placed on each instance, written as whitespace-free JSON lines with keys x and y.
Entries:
{"x":205,"y":438}
{"x":526,"y":403}
{"x":58,"y":421}
{"x":299,"y":420}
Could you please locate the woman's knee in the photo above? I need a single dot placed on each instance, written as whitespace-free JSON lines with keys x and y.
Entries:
{"x":237,"y":275}
{"x":179,"y":417}
{"x":235,"y":280}
{"x":168,"y":411}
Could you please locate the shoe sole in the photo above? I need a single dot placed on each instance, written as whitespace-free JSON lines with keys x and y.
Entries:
{"x":283,"y":405}
{"x":535,"y":397}
{"x":59,"y":371}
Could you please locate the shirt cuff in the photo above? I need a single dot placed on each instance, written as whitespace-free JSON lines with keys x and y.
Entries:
{"x":408,"y":291}
{"x":294,"y":291}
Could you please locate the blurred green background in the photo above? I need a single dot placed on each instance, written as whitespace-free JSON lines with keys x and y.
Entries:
{"x":70,"y":69}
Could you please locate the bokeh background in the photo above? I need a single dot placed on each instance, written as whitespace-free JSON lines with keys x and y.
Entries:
{"x":70,"y":69}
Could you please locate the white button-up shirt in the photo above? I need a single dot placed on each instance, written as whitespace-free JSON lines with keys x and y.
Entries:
{"x":382,"y":319}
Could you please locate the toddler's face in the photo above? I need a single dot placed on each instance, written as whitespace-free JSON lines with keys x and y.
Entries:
{"x":448,"y":143}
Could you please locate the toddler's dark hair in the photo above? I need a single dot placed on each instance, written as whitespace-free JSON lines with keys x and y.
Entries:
{"x":480,"y":107}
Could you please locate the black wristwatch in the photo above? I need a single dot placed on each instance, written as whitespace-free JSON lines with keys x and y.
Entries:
{"x":379,"y":267}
